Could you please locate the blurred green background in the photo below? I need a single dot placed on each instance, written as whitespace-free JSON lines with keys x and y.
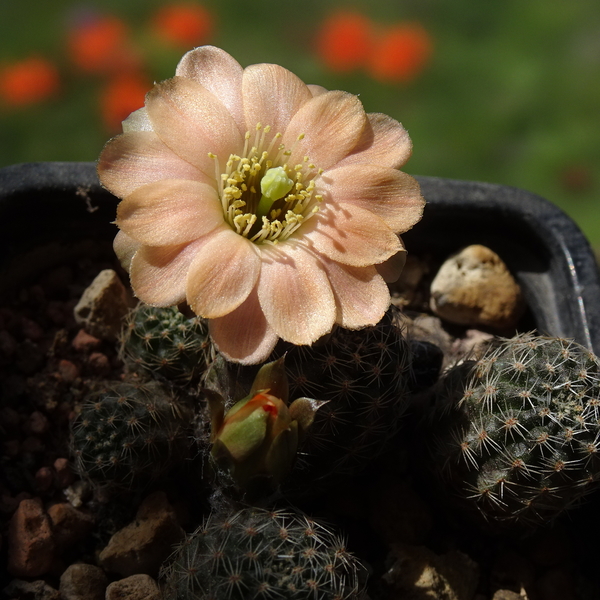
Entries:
{"x":510,"y":93}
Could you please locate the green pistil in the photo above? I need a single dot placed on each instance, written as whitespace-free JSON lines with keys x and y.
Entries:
{"x":274,"y":185}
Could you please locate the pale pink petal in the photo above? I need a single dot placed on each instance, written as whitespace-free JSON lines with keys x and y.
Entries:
{"x":158,"y":274}
{"x":244,"y":335}
{"x":125,"y":248}
{"x":272,"y":95}
{"x":223,"y":273}
{"x":134,"y":159}
{"x":361,"y":294}
{"x":170,"y":212}
{"x":316,"y":90}
{"x":138,"y":120}
{"x":219,"y":73}
{"x":350,"y":235}
{"x":392,"y":268}
{"x":391,"y":194}
{"x":384,"y":142}
{"x":295,"y":293}
{"x":193,"y":122}
{"x":331,"y":124}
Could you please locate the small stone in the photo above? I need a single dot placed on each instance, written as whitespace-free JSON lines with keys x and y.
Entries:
{"x":103,"y":305}
{"x":32,"y":444}
{"x":83,"y":582}
{"x":77,"y":492}
{"x":419,"y":574}
{"x":136,"y":587}
{"x":69,"y":524}
{"x":64,"y":473}
{"x":37,"y":423}
{"x":474,"y":287}
{"x":44,"y":478}
{"x":506,"y":595}
{"x":68,"y":370}
{"x":99,"y":363}
{"x":31,"y":590}
{"x":30,"y":540}
{"x":84,"y":342}
{"x":142,"y":546}
{"x":31,"y":330}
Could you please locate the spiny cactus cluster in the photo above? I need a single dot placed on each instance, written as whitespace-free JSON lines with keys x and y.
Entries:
{"x":261,"y":554}
{"x":524,"y":443}
{"x":129,"y":433}
{"x":363,"y":377}
{"x":163,"y":341}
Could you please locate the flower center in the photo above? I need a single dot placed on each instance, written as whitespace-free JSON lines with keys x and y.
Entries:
{"x":263,"y":198}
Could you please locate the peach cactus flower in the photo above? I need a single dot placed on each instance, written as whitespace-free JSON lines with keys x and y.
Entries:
{"x":270,"y":206}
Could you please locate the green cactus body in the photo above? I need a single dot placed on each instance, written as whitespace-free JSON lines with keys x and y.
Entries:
{"x":363,"y":376}
{"x":164,"y":341}
{"x":525,"y":440}
{"x":261,"y":554}
{"x":129,"y":433}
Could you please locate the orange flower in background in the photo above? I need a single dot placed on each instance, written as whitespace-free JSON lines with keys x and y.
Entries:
{"x":401,"y":53}
{"x":344,"y":41}
{"x":100,"y":44}
{"x":183,"y":25}
{"x":28,"y":81}
{"x":123,"y":95}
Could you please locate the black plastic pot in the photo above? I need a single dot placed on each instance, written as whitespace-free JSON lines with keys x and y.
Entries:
{"x":46,"y":208}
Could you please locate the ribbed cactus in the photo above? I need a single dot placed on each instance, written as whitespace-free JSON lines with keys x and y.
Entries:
{"x":129,"y":433}
{"x":164,"y":341}
{"x":261,"y":554}
{"x":523,"y":429}
{"x":364,"y":377}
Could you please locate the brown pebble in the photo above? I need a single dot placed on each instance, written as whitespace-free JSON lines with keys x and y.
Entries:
{"x":37,"y":423}
{"x":35,"y":590}
{"x":99,"y":363}
{"x":69,"y":524}
{"x":507,"y":595}
{"x":31,"y":330}
{"x":56,"y":312}
{"x":68,"y":370}
{"x":44,"y":478}
{"x":64,"y":473}
{"x":83,"y":582}
{"x":135,"y":587}
{"x":84,"y":342}
{"x":30,"y":540}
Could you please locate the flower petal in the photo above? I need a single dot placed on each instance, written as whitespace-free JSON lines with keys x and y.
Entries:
{"x":170,"y":212}
{"x":391,"y":194}
{"x":361,"y":294}
{"x":272,"y":96}
{"x":193,"y":122}
{"x":384,"y":142}
{"x":244,"y":335}
{"x":223,"y":273}
{"x":350,"y":235}
{"x":158,"y":274}
{"x":219,"y":73}
{"x":125,"y":249}
{"x":134,"y":159}
{"x":295,"y":293}
{"x":316,"y":90}
{"x":392,"y":268}
{"x":331,"y":123}
{"x":138,"y":120}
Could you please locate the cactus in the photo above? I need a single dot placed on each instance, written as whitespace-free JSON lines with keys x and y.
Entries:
{"x":129,"y":433}
{"x":163,"y":341}
{"x":524,"y":439}
{"x":260,"y":554}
